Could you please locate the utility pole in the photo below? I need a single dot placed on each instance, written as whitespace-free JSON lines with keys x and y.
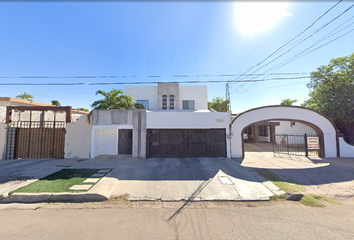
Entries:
{"x":227,"y":97}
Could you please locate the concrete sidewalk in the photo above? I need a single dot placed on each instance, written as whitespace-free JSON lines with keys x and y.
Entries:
{"x":193,"y":179}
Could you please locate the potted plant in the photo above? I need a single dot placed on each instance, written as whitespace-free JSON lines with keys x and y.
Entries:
{"x":283,"y":141}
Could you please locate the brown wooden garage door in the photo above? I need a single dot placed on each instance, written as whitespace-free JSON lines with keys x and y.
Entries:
{"x":181,"y":143}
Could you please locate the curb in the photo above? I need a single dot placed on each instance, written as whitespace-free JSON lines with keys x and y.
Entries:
{"x":102,"y":191}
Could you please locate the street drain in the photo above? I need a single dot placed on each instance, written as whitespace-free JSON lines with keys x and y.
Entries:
{"x":226,"y":180}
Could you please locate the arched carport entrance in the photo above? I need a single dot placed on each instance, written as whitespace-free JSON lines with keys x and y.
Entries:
{"x":321,"y":124}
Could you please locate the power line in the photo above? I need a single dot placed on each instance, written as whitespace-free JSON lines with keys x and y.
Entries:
{"x":264,"y":43}
{"x":55,"y":84}
{"x":155,"y":82}
{"x":293,"y":38}
{"x":305,"y":38}
{"x":149,"y":76}
{"x":307,"y":48}
{"x":303,"y":53}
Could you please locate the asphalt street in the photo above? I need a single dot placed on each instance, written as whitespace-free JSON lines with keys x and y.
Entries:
{"x":176,"y":220}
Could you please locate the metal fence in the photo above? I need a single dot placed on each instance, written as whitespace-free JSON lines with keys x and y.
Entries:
{"x":38,"y":124}
{"x":294,"y":144}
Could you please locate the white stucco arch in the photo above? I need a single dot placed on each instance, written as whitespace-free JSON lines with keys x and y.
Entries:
{"x":278,"y":112}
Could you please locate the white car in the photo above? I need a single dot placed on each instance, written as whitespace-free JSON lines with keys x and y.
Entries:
{"x":245,"y":136}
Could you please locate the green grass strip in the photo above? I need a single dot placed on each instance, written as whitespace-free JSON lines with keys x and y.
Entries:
{"x":312,"y":200}
{"x":285,"y":185}
{"x":58,"y":182}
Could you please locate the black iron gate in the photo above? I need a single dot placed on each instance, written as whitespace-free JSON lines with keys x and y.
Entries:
{"x":297,"y":144}
{"x":30,"y":139}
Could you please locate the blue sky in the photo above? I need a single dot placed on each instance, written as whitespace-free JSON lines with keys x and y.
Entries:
{"x":81,"y":43}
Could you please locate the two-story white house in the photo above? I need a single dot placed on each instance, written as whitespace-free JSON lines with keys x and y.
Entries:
{"x":176,"y":123}
{"x":170,"y":96}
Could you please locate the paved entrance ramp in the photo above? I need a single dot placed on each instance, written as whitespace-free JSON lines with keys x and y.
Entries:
{"x":195,"y":179}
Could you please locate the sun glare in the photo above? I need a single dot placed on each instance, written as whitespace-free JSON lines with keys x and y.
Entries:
{"x":256,"y":17}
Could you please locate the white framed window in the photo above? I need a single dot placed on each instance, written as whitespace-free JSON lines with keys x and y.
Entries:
{"x":145,"y":103}
{"x":188,"y":104}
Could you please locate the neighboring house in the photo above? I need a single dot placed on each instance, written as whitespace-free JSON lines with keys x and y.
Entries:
{"x":33,"y":130}
{"x":35,"y":115}
{"x":177,"y":123}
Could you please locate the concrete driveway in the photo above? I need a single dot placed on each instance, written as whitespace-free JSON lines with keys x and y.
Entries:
{"x":328,"y":176}
{"x":173,"y":179}
{"x":168,"y":179}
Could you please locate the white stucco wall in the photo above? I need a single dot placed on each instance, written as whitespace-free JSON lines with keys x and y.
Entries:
{"x":78,"y":139}
{"x":104,"y":139}
{"x":143,"y":93}
{"x":285,"y":127}
{"x":107,"y":141}
{"x":189,"y":120}
{"x":299,"y":128}
{"x":3,"y":136}
{"x":197,"y":93}
{"x":283,"y":113}
{"x":345,"y":149}
{"x":2,"y":113}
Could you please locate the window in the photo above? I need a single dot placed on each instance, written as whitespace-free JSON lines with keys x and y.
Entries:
{"x":172,"y":101}
{"x":144,"y":102}
{"x":263,"y":131}
{"x":188,"y":104}
{"x":164,"y":101}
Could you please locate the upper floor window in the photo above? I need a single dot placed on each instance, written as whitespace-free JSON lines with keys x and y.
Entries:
{"x":172,"y":102}
{"x":145,"y":103}
{"x":188,"y":104}
{"x":164,"y":101}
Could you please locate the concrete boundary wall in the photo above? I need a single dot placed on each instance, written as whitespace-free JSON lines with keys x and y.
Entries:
{"x":3,"y":137}
{"x":345,"y":149}
{"x":287,"y":113}
{"x":114,"y":120}
{"x":78,"y":139}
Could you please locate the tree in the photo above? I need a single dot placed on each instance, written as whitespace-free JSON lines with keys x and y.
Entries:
{"x":332,"y":92}
{"x":115,"y":99}
{"x":25,"y":96}
{"x":219,"y":105}
{"x":288,"y":102}
{"x":127,"y":102}
{"x":56,"y":103}
{"x":83,"y":109}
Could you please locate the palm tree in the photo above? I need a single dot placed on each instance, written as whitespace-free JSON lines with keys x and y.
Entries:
{"x":25,"y":96}
{"x":115,"y":99}
{"x":127,"y":102}
{"x":110,"y":101}
{"x":288,"y":102}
